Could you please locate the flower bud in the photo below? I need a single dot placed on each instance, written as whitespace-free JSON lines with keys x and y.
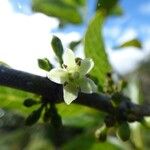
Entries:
{"x":46,"y":115}
{"x":110,"y":121}
{"x":55,"y":118}
{"x":45,"y":64}
{"x":34,"y":117}
{"x":78,"y":61}
{"x":29,"y":102}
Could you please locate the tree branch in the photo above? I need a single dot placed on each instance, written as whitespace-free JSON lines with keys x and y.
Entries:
{"x":53,"y":92}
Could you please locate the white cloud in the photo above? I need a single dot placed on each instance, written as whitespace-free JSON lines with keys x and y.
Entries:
{"x":144,"y":29}
{"x":112,"y":32}
{"x":5,"y":7}
{"x":24,"y":39}
{"x":126,"y":60}
{"x":127,"y":35}
{"x":146,"y":47}
{"x":145,"y":8}
{"x":66,"y":38}
{"x":69,"y":37}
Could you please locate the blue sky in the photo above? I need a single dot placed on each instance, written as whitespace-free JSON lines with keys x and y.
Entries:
{"x":134,"y":23}
{"x":136,"y":16}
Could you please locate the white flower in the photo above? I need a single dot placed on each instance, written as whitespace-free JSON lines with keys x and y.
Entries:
{"x":73,"y":76}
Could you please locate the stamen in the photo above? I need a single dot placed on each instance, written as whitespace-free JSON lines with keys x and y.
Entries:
{"x":76,"y":75}
{"x":65,"y":83}
{"x":64,"y":66}
{"x":78,"y":61}
{"x":88,"y":75}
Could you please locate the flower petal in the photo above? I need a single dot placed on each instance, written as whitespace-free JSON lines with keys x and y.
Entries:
{"x":93,"y":85}
{"x":58,"y":75}
{"x":86,"y":66}
{"x":70,"y":93}
{"x":85,"y":86}
{"x":88,"y":86}
{"x":69,"y":58}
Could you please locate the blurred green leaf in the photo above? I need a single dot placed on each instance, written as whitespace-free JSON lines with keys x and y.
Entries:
{"x":83,"y":142}
{"x":14,"y":140}
{"x":74,"y":44}
{"x":23,"y":137}
{"x":58,"y":9}
{"x":131,"y":43}
{"x":94,"y":48}
{"x":117,"y":11}
{"x":45,"y":64}
{"x":39,"y":142}
{"x":88,"y":142}
{"x":109,"y":7}
{"x":106,"y":146}
{"x":79,"y":116}
{"x":145,"y":137}
{"x":75,"y":2}
{"x":12,"y":99}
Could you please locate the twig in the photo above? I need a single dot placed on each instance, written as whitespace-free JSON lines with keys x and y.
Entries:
{"x":53,"y":92}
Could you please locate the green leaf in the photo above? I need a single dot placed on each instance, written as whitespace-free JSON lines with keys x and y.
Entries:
{"x":45,"y":64}
{"x":131,"y":43}
{"x":94,"y":48}
{"x":58,"y":9}
{"x":58,"y":48}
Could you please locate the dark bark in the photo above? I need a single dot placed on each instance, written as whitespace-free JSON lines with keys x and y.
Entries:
{"x":53,"y":92}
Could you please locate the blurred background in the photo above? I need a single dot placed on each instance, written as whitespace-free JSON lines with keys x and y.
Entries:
{"x":26,"y":30}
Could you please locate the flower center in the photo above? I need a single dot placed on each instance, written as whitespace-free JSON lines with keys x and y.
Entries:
{"x":74,"y":76}
{"x":78,"y":61}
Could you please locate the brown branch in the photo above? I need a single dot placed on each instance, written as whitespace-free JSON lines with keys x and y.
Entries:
{"x":53,"y":92}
